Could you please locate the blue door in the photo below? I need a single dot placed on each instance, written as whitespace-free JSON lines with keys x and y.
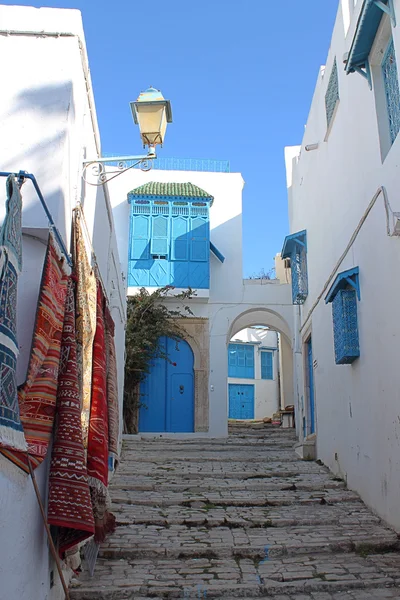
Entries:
{"x":167,"y":393}
{"x":241,"y":401}
{"x":311,"y":402}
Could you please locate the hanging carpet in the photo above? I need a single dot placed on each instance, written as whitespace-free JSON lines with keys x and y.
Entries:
{"x":112,"y":385}
{"x":85,"y":321}
{"x":97,"y":451}
{"x":37,"y":396}
{"x":11,"y":430}
{"x":69,"y":505}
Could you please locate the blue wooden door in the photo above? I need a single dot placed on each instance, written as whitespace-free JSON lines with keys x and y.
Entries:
{"x":167,"y":393}
{"x":241,"y":401}
{"x":311,"y":401}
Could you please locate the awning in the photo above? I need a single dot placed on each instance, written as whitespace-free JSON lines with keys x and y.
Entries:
{"x":217,"y":253}
{"x":342,"y":280}
{"x":291,"y":240}
{"x":367,"y":27}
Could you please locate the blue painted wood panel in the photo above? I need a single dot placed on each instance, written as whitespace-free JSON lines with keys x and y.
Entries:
{"x":241,"y":361}
{"x":169,"y":244}
{"x":241,"y":401}
{"x":167,"y":393}
{"x":267,"y":371}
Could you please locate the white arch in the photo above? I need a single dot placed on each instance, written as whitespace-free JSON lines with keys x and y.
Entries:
{"x":260,"y":316}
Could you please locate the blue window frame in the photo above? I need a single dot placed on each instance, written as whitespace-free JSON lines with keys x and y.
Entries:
{"x":267,"y":371}
{"x":241,"y":361}
{"x":343,"y":295}
{"x":332,"y":94}
{"x":295,"y":248}
{"x":392,"y":92}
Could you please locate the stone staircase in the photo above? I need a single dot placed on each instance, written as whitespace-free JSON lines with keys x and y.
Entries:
{"x":238,"y":518}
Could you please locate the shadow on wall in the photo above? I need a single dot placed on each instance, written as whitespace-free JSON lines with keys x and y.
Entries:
{"x":38,"y":144}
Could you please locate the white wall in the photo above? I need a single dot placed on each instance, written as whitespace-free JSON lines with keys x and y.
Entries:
{"x":47,"y":125}
{"x":266,"y":391}
{"x":357,"y":406}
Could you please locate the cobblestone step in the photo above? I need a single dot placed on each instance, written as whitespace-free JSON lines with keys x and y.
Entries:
{"x":242,"y":578}
{"x":238,"y":498}
{"x":177,"y":541}
{"x":349,"y":515}
{"x":170,"y":484}
{"x":239,"y":469}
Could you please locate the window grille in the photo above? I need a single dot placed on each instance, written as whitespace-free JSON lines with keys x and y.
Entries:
{"x":298,"y":265}
{"x":343,"y":294}
{"x":345,"y":327}
{"x":332,"y":94}
{"x":392,"y":92}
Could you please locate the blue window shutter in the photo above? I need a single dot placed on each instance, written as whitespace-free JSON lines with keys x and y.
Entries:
{"x":249,"y":354}
{"x":200,"y":245}
{"x":267,"y":365}
{"x":232,"y":360}
{"x":179,"y":238}
{"x":159,"y":235}
{"x":241,"y":361}
{"x":140,"y":237}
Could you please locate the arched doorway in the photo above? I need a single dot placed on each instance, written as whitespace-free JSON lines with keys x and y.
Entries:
{"x":260,"y":381}
{"x":167,"y":393}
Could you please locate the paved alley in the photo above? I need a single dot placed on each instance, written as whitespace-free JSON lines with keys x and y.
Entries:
{"x":243,"y":518}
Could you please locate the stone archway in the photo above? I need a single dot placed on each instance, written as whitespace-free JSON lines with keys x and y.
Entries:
{"x":253,"y":316}
{"x":198,"y":339}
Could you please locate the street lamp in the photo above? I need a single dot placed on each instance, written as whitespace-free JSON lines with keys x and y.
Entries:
{"x":152,"y":113}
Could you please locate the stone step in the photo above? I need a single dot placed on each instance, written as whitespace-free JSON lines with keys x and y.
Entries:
{"x":235,"y":457}
{"x":243,"y":578}
{"x":208,"y":448}
{"x":182,"y":541}
{"x":238,"y":498}
{"x":306,"y":483}
{"x":199,"y":470}
{"x":351,"y":514}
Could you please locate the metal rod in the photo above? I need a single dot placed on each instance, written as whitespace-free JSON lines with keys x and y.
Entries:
{"x":25,"y":175}
{"x":51,"y":543}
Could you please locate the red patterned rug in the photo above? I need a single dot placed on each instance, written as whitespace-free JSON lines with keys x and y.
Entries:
{"x":69,"y":505}
{"x":97,"y":451}
{"x":37,"y":396}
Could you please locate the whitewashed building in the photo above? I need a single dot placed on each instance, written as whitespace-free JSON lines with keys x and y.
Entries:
{"x":48,"y":126}
{"x":254,"y":374}
{"x":184,"y":228}
{"x":344,"y":207}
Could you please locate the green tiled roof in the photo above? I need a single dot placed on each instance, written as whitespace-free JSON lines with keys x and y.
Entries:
{"x":183,"y":190}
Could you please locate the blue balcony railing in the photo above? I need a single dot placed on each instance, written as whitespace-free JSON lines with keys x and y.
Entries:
{"x":183,"y":164}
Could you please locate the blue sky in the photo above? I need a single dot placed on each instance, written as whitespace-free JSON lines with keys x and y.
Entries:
{"x":240,"y":77}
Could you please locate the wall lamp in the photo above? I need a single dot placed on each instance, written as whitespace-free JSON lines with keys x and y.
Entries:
{"x":152,"y":113}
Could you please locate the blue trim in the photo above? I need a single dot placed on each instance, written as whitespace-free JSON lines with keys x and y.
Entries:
{"x":273,"y":348}
{"x":344,"y":279}
{"x":291,"y":240}
{"x":217,"y":253}
{"x":367,"y":27}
